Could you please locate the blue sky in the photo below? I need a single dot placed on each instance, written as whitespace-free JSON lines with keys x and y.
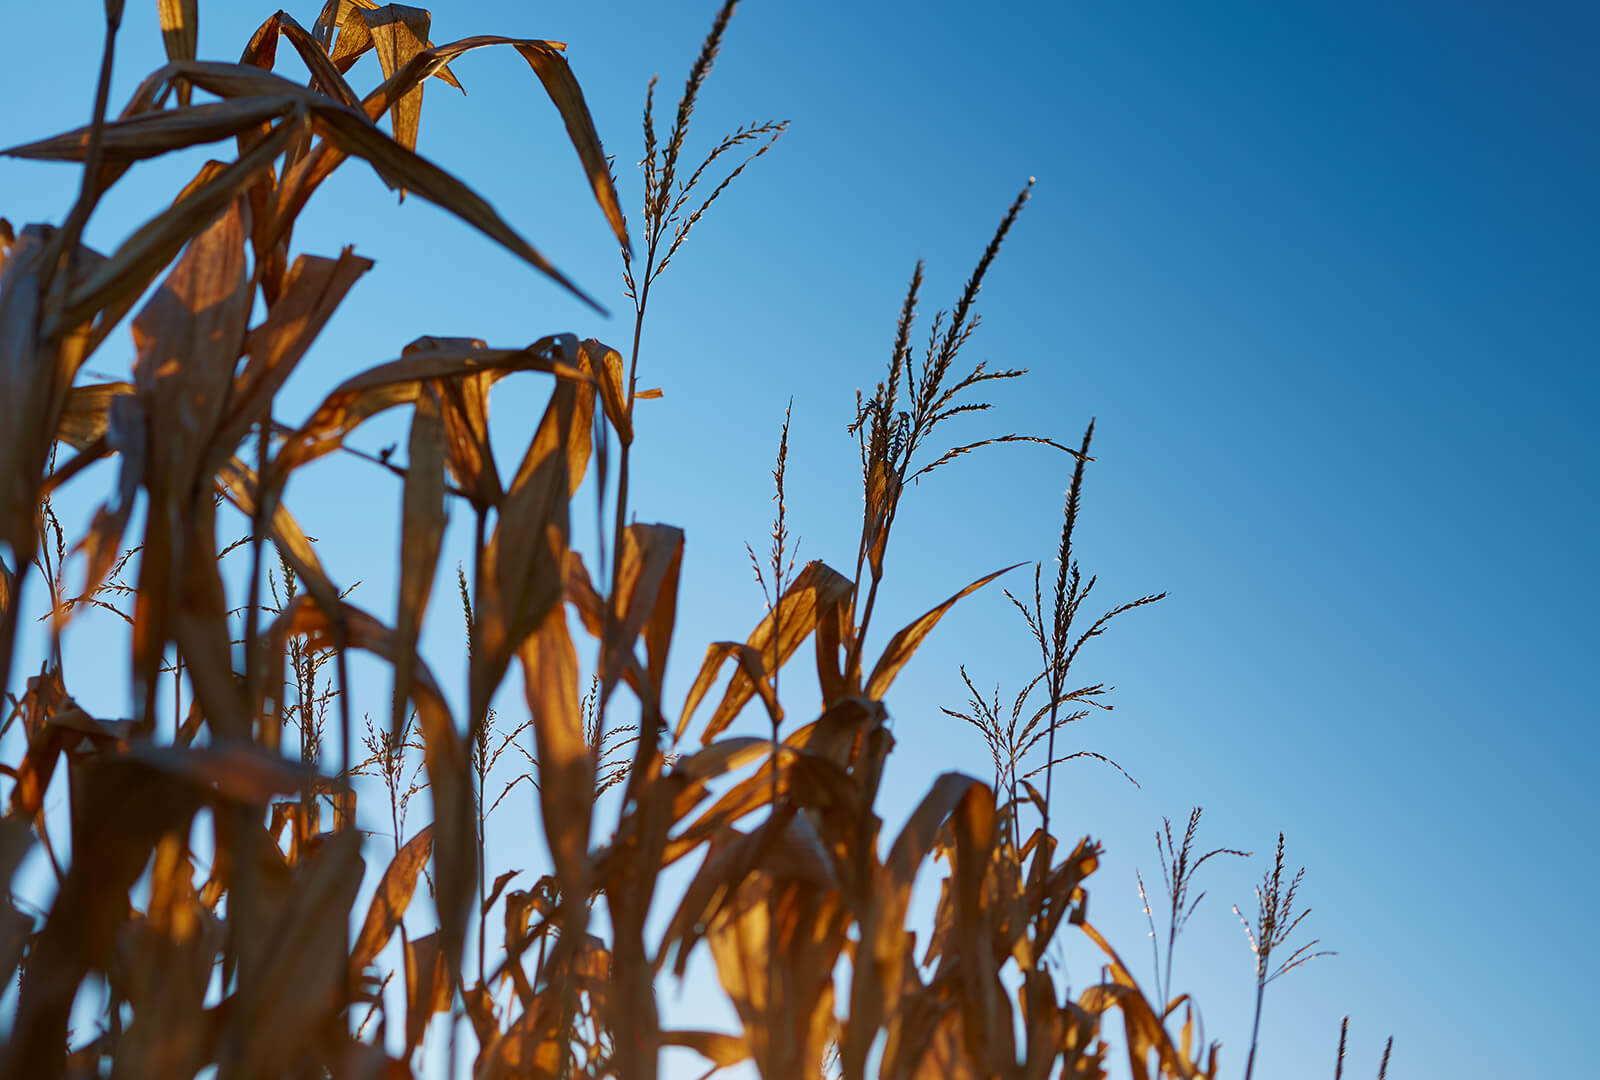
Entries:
{"x":1323,"y":273}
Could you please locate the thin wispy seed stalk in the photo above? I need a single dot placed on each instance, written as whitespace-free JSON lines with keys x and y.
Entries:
{"x":890,"y":437}
{"x":1179,"y":865}
{"x":1276,"y":921}
{"x":664,"y":201}
{"x":772,"y":593}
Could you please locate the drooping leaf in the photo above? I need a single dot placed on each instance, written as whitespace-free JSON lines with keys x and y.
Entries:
{"x":85,"y":417}
{"x":310,"y":293}
{"x":262,"y":51}
{"x":545,"y":58}
{"x":722,"y":1050}
{"x":127,"y":271}
{"x":167,"y":959}
{"x":522,"y":569}
{"x":428,"y":989}
{"x":92,"y":902}
{"x":566,"y":766}
{"x":551,"y":67}
{"x":187,"y":338}
{"x":816,"y":588}
{"x":468,"y":453}
{"x":354,"y":135}
{"x":444,"y":753}
{"x":775,"y":944}
{"x":398,"y":33}
{"x":300,"y":985}
{"x":908,"y":640}
{"x":397,"y":383}
{"x":422,"y":523}
{"x":180,"y":26}
{"x":151,"y":134}
{"x":389,"y":903}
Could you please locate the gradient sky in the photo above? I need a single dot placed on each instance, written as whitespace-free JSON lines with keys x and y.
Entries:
{"x":1324,"y":274}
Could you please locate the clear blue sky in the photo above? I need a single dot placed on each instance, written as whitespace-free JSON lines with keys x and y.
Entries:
{"x":1325,"y":274}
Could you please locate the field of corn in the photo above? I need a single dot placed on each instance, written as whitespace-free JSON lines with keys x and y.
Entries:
{"x":207,"y":864}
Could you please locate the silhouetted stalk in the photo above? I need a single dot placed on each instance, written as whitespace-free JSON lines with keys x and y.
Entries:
{"x":89,"y":193}
{"x":1255,"y":1031}
{"x":1062,"y":619}
{"x":71,"y":232}
{"x":480,"y":528}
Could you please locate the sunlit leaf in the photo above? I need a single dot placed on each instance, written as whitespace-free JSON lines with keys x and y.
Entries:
{"x":907,"y":641}
{"x":389,"y":903}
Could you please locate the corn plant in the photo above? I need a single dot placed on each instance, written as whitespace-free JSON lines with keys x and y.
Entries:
{"x":214,"y":857}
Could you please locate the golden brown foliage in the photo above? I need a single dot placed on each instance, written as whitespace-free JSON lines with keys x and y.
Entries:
{"x":255,"y":964}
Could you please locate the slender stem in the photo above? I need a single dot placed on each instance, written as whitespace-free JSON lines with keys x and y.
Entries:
{"x":647,"y":739}
{"x":405,"y":941}
{"x":483,"y":894}
{"x":89,"y":193}
{"x":1255,"y":1029}
{"x":1172,"y":943}
{"x":477,"y":563}
{"x":1049,"y":773}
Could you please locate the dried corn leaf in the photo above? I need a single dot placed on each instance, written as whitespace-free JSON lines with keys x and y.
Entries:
{"x":946,"y":1056}
{"x":352,"y":133}
{"x":692,"y":773}
{"x":816,"y":588}
{"x":262,"y":52}
{"x":238,"y":772}
{"x":34,"y":379}
{"x":807,"y":780}
{"x":590,"y":607}
{"x":85,"y":417}
{"x":152,"y":134}
{"x":722,"y":1050}
{"x":608,"y":369}
{"x":300,"y":985}
{"x":180,"y":27}
{"x":428,"y":989}
{"x":787,"y":1021}
{"x":92,"y":903}
{"x":364,"y":1061}
{"x":422,"y":523}
{"x":551,"y":67}
{"x":985,"y":1009}
{"x":522,"y":569}
{"x":445,"y":756}
{"x":566,"y":766}
{"x":352,"y":19}
{"x":885,"y":947}
{"x":126,"y":273}
{"x":188,"y":339}
{"x":168,"y":960}
{"x":389,"y":903}
{"x":545,"y":58}
{"x":907,"y":641}
{"x":531,"y":1046}
{"x":310,"y":293}
{"x":751,"y":672}
{"x":652,"y":559}
{"x":398,"y":32}
{"x":468,"y":454}
{"x":200,"y":626}
{"x":1143,"y":1026}
{"x":125,"y":433}
{"x":397,"y":383}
